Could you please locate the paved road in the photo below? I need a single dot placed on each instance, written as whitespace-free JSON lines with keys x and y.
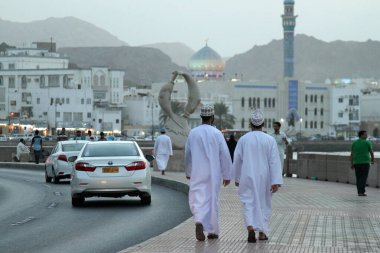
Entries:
{"x":38,"y":217}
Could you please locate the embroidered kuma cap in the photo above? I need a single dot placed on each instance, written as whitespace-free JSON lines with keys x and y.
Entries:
{"x":163,"y":130}
{"x":207,"y":110}
{"x":257,"y":118}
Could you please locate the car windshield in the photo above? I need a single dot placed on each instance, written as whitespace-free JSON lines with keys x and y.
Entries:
{"x":111,"y":149}
{"x":72,"y":147}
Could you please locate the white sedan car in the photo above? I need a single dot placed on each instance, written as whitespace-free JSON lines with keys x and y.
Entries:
{"x":111,"y":169}
{"x":57,"y":166}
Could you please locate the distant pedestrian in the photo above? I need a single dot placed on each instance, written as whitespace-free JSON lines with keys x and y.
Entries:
{"x":36,"y":145}
{"x":162,"y":150}
{"x":282,"y":142}
{"x":231,"y":143}
{"x":102,"y":137}
{"x":207,"y":165}
{"x":89,"y":136}
{"x":78,"y":135}
{"x":258,"y":175}
{"x":361,"y":158}
{"x":22,"y":149}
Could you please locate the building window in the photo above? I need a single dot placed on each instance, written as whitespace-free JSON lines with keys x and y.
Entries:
{"x":315,"y":111}
{"x":89,"y":115}
{"x":274,"y":102}
{"x":306,"y":111}
{"x":67,"y":100}
{"x":321,"y":111}
{"x":340,"y":100}
{"x":269,"y":102}
{"x":78,"y":116}
{"x":265,"y":102}
{"x":315,"y":98}
{"x":306,"y":98}
{"x":1,"y":81}
{"x":42,"y":81}
{"x":242,"y":123}
{"x":242,"y":102}
{"x":306,"y":124}
{"x":315,"y":124}
{"x":102,"y":80}
{"x":82,"y":101}
{"x":23,"y":82}
{"x":321,"y":98}
{"x":254,"y":102}
{"x":11,"y":66}
{"x":88,"y":101}
{"x":321,"y":124}
{"x":249,"y":102}
{"x":311,"y":124}
{"x":96,"y":80}
{"x":1,"y":66}
{"x":53,"y":80}
{"x":340,"y":115}
{"x":311,"y":98}
{"x":38,"y":101}
{"x":117,"y":121}
{"x":258,"y":103}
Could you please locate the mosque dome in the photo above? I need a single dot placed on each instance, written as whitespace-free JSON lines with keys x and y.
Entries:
{"x":206,"y":62}
{"x":289,"y":2}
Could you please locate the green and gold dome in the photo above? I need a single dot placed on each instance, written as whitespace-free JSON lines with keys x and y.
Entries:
{"x":206,"y":63}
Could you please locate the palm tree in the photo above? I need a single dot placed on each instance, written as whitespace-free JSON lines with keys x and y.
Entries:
{"x":177,"y":108}
{"x":223,"y":120}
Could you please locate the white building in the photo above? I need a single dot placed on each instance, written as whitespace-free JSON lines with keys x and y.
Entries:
{"x":38,"y":90}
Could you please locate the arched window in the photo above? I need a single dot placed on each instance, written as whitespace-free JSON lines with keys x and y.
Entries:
{"x":249,"y":102}
{"x":315,"y":111}
{"x":96,"y":80}
{"x":306,"y":98}
{"x":242,"y":123}
{"x":321,"y":124}
{"x":321,"y":98}
{"x":311,"y":98}
{"x":315,"y":124}
{"x":265,"y":102}
{"x":254,"y":103}
{"x":242,"y":102}
{"x":322,"y":111}
{"x":258,"y":102}
{"x":269,"y":102}
{"x":315,"y":98}
{"x":305,"y":123}
{"x":274,"y":102}
{"x":311,"y":124}
{"x":306,"y":111}
{"x":65,"y":80}
{"x":102,"y":80}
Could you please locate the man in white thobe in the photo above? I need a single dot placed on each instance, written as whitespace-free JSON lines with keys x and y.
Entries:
{"x":281,"y":140}
{"x":162,"y":151}
{"x":207,"y":164}
{"x":22,"y":149}
{"x":258,"y":174}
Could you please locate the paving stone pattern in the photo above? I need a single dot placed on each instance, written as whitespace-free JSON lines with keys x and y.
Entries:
{"x":308,"y":216}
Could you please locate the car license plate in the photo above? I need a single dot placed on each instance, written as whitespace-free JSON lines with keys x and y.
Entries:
{"x":110,"y":170}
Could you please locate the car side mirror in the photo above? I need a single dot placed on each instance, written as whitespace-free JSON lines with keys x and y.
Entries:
{"x":72,"y":158}
{"x":149,"y":157}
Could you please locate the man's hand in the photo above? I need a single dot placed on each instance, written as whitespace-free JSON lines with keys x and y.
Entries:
{"x":372,"y":161}
{"x":226,"y":182}
{"x":237,"y":184}
{"x":188,"y":177}
{"x":274,"y":188}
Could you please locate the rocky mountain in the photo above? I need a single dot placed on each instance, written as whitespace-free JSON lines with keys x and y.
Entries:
{"x":314,"y":60}
{"x":178,"y":52}
{"x":142,"y":65}
{"x":67,"y":31}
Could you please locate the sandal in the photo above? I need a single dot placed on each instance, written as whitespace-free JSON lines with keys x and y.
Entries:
{"x":212,"y":236}
{"x":263,"y":237}
{"x":251,"y":236}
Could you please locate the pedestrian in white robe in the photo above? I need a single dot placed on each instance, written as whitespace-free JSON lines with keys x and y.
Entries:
{"x":282,"y":142}
{"x":163,"y":150}
{"x":258,"y":174}
{"x":207,"y":164}
{"x":22,"y":149}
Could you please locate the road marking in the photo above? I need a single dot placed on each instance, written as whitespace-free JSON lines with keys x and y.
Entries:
{"x":23,"y":221}
{"x":53,"y":204}
{"x":58,"y":193}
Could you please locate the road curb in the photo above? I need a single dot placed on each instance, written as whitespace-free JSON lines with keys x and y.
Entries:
{"x":29,"y":166}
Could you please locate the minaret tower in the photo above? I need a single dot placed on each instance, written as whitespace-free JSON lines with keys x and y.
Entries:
{"x":288,"y":23}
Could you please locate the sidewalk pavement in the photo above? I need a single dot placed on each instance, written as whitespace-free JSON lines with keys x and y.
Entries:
{"x":308,"y":216}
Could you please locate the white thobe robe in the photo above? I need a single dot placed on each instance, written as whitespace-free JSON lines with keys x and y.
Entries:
{"x":280,"y":145}
{"x":21,"y":149}
{"x":162,"y":150}
{"x":257,"y":167}
{"x":207,"y":163}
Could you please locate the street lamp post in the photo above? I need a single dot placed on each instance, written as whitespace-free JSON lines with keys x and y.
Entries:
{"x":300,"y":127}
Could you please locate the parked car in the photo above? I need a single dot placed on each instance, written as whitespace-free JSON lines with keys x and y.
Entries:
{"x":57,"y":166}
{"x":111,"y":169}
{"x":3,"y":137}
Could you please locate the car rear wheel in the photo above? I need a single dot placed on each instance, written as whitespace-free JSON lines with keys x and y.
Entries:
{"x":47,"y":178}
{"x":145,"y":199}
{"x":55,"y":178}
{"x":77,"y":201}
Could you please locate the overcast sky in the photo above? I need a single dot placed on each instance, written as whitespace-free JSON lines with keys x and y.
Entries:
{"x":231,"y":27}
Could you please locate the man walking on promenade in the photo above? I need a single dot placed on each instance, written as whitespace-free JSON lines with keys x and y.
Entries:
{"x":258,"y":175}
{"x":361,"y":150}
{"x":282,"y":142}
{"x":207,"y":164}
{"x":36,"y":145}
{"x":162,"y":150}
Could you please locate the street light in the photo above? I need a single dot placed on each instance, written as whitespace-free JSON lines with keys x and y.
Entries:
{"x":300,"y":126}
{"x":152,"y":104}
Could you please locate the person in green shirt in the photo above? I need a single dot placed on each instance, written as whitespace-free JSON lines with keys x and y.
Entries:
{"x":361,"y":158}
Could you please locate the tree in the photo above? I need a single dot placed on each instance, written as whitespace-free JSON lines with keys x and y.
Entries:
{"x":178,"y":108}
{"x":223,"y":120}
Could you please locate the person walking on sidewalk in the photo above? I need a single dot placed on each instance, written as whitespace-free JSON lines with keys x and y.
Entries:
{"x":281,"y":140}
{"x":162,"y":150}
{"x":361,"y":150}
{"x":258,"y":174}
{"x":207,"y":164}
{"x":36,"y":145}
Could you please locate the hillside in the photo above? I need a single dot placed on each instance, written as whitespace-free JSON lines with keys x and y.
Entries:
{"x":67,"y":31}
{"x":178,"y":52}
{"x":314,"y":60}
{"x":141,"y":65}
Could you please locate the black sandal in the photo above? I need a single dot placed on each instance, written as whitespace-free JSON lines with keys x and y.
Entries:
{"x":251,"y":236}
